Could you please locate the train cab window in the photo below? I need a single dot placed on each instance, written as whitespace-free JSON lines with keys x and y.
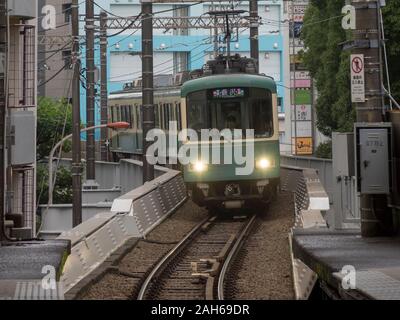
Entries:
{"x":198,"y":116}
{"x":260,"y":113}
{"x":232,"y":108}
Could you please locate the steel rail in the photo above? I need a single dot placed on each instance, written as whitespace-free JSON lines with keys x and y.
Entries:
{"x":232,"y":254}
{"x":169,"y":256}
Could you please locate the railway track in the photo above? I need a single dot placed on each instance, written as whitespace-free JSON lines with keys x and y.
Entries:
{"x":195,"y":269}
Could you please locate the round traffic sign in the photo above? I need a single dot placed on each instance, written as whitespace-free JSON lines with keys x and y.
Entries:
{"x":357,"y":65}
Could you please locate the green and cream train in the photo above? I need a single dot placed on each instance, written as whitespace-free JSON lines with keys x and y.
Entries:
{"x":227,"y":95}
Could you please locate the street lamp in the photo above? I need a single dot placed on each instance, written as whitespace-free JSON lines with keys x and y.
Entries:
{"x":113,"y":125}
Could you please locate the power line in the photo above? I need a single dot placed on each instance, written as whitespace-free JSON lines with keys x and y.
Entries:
{"x":162,"y":63}
{"x":55,"y":52}
{"x":52,"y":77}
{"x":126,"y":28}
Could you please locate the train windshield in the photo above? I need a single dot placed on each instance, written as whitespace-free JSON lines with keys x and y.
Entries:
{"x":232,"y":108}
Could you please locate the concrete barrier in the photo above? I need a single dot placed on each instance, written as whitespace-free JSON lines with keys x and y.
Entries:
{"x":311,"y":204}
{"x":132,"y":215}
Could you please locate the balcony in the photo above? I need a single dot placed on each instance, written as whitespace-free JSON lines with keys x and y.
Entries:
{"x":22,"y":8}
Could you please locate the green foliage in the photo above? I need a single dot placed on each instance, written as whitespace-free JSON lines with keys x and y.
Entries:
{"x":51,"y":116}
{"x":62,"y":190}
{"x":328,"y":65}
{"x":391,"y":19}
{"x":324,"y":150}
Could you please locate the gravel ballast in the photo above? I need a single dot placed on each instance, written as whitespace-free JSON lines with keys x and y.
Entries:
{"x":123,"y":281}
{"x":263,"y":268}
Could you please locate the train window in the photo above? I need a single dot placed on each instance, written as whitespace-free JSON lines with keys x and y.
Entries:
{"x":178,"y":115}
{"x":161,"y":112}
{"x":130,"y":116}
{"x":198,"y":116}
{"x":134,"y":116}
{"x":171,"y":108}
{"x":140,"y":117}
{"x":251,"y":112}
{"x":166,"y":116}
{"x":261,"y":115}
{"x":123,"y":113}
{"x":112,"y":113}
{"x":156,"y":116}
{"x":117,"y":113}
{"x":229,"y":115}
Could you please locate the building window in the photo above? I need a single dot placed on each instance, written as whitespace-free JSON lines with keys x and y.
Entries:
{"x":280,"y":104}
{"x":22,"y":66}
{"x":66,"y":9}
{"x":180,"y":62}
{"x":180,"y":11}
{"x":66,"y":56}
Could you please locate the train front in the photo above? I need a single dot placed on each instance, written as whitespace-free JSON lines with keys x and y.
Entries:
{"x":232,"y":139}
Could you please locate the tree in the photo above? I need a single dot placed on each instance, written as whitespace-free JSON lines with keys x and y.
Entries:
{"x":54,"y":121}
{"x":62,"y":192}
{"x":328,"y":64}
{"x":391,"y":19}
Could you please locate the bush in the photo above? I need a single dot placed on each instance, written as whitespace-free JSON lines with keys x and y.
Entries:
{"x":324,"y":150}
{"x":51,"y":117}
{"x":62,"y":192}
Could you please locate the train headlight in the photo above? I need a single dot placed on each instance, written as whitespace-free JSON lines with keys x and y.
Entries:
{"x":264,"y":164}
{"x":199,"y":167}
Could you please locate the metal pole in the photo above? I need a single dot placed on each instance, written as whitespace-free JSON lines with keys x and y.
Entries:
{"x":51,"y":157}
{"x":90,"y":142}
{"x":254,"y":51}
{"x":76,"y":121}
{"x":103,"y":87}
{"x":148,"y":86}
{"x":293,"y":91}
{"x":3,"y":106}
{"x":375,"y":215}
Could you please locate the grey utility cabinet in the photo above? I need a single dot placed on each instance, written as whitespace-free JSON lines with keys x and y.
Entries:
{"x":373,"y":157}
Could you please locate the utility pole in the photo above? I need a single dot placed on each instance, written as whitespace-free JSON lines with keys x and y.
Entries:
{"x":103,"y":86}
{"x":3,"y":106}
{"x":90,"y":141}
{"x":147,"y":85}
{"x":376,"y":217}
{"x":293,"y":85}
{"x":254,"y":50}
{"x":76,"y":121}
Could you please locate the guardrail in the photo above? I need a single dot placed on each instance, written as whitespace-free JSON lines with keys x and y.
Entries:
{"x":132,"y":215}
{"x":341,"y":189}
{"x":114,"y":179}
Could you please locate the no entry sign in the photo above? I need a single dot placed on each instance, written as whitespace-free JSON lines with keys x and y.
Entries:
{"x":357,"y":78}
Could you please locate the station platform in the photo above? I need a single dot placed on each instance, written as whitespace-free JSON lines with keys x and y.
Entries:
{"x":24,"y":261}
{"x":376,"y":262}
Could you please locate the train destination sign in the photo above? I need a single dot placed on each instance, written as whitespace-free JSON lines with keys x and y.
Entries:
{"x":228,"y":93}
